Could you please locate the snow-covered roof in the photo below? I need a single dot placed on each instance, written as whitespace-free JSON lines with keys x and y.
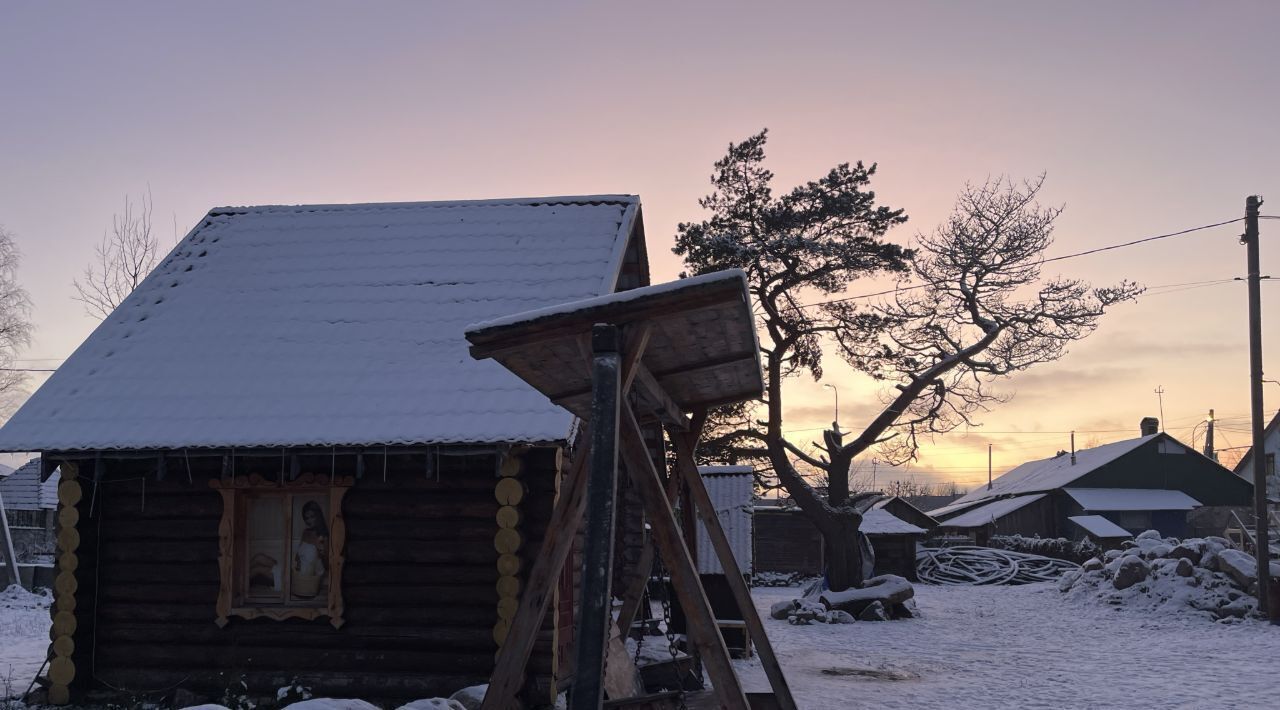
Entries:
{"x":1054,"y":472}
{"x":1099,"y":527}
{"x":991,"y":512}
{"x":331,"y":325}
{"x":955,"y":507}
{"x":878,"y":521}
{"x":1104,"y":499}
{"x":731,"y":489}
{"x":23,"y":489}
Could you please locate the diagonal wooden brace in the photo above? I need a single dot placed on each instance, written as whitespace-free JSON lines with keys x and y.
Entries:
{"x":684,"y":576}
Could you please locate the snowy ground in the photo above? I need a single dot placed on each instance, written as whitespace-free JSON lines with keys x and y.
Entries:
{"x":975,"y":647}
{"x":24,"y":638}
{"x":1021,"y":647}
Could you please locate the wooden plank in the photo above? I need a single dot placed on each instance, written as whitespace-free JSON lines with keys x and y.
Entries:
{"x":684,"y":576}
{"x":634,"y":594}
{"x":688,"y":470}
{"x":508,"y":672}
{"x":659,"y":400}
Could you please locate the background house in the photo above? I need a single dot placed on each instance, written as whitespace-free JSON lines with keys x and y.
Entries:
{"x":280,"y":461}
{"x":30,"y":505}
{"x":1271,"y":452}
{"x":1150,"y":482}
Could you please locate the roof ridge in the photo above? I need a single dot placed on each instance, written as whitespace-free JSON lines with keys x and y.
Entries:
{"x":583,"y":200}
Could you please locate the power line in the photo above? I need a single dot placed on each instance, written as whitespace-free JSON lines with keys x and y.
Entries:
{"x":1046,"y":261}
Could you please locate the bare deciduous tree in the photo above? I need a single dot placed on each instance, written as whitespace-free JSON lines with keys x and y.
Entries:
{"x":128,"y":253}
{"x":15,"y":328}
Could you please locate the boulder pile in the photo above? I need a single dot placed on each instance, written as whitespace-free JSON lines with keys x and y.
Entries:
{"x":1200,"y":576}
{"x":881,"y":598}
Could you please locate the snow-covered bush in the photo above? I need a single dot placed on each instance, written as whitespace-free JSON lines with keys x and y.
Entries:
{"x":1057,"y":547}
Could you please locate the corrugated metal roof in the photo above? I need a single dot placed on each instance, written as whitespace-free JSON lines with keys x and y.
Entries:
{"x":23,"y":490}
{"x":991,"y":512}
{"x":330,"y":325}
{"x":732,"y":489}
{"x":1054,"y":472}
{"x":1105,"y":499}
{"x":1099,"y":527}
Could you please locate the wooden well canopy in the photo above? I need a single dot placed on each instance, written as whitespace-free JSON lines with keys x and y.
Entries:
{"x":701,"y":348}
{"x":679,"y":348}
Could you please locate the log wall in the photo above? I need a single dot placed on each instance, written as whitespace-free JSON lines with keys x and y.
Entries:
{"x":418,"y":584}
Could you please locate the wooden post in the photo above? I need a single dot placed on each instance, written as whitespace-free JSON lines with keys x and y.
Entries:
{"x":684,"y":576}
{"x":508,"y":673}
{"x":10,"y":559}
{"x":688,"y":469}
{"x":597,"y":556}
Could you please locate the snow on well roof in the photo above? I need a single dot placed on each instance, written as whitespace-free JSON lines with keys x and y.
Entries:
{"x":991,"y":512}
{"x":731,"y":489}
{"x":330,"y":325}
{"x":878,"y":521}
{"x":1099,"y":527}
{"x":1103,"y":499}
{"x":1054,"y":472}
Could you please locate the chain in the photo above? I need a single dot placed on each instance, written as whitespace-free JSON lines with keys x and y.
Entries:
{"x":660,"y":570}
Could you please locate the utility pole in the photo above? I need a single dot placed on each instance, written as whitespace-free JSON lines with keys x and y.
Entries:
{"x":1208,"y":437}
{"x":1159,"y":390}
{"x":988,"y":466}
{"x":1261,"y":536}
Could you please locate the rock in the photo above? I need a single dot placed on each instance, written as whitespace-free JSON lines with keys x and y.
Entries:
{"x":1184,"y":568}
{"x":1241,"y":567}
{"x":905,"y":610}
{"x":840,"y":617}
{"x":435,"y":704}
{"x":1068,"y":580}
{"x":332,"y":704}
{"x":1149,"y":535}
{"x":1129,"y":571}
{"x":888,"y":589}
{"x":1091,"y":564}
{"x":782,"y":610}
{"x":1110,"y":555}
{"x":1191,"y":550}
{"x":1157,"y":551}
{"x":874,"y":612}
{"x":472,"y":697}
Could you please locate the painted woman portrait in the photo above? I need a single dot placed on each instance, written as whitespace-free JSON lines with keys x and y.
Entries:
{"x":310,"y":551}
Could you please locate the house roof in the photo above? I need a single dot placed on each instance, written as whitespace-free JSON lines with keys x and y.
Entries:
{"x":1244,"y":465}
{"x":331,"y":325}
{"x":991,"y":512}
{"x":1051,"y":473}
{"x":1109,"y":499}
{"x":878,"y":521}
{"x":23,"y":489}
{"x":731,"y":489}
{"x":1099,"y":527}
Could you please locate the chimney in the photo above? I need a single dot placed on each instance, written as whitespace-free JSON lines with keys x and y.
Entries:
{"x":1149,"y":426}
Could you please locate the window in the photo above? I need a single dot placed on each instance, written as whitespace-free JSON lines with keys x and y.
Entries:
{"x":1269,"y":464}
{"x":281,"y":547}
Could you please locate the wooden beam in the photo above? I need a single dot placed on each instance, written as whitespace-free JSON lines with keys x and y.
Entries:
{"x":687,"y":468}
{"x":513,"y":657}
{"x":684,"y":576}
{"x":661,"y":402}
{"x":634,"y":594}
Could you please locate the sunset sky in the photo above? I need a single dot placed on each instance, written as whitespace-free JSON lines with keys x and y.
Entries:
{"x":1147,"y":117}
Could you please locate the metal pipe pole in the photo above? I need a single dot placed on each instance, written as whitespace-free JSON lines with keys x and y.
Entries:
{"x":597,"y":555}
{"x":1261,"y":537}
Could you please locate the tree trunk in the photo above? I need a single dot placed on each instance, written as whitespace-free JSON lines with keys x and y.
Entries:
{"x":844,"y":554}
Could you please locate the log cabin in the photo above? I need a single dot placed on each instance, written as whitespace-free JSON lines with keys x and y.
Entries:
{"x":279,"y":462}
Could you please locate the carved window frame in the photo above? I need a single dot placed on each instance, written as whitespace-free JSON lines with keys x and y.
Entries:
{"x":232,"y":535}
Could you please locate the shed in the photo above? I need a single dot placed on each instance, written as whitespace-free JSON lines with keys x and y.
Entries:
{"x":894,"y":541}
{"x":279,"y":460}
{"x":29,"y":505}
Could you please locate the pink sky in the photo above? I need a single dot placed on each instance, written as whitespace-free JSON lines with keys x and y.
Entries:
{"x":1148,"y":117}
